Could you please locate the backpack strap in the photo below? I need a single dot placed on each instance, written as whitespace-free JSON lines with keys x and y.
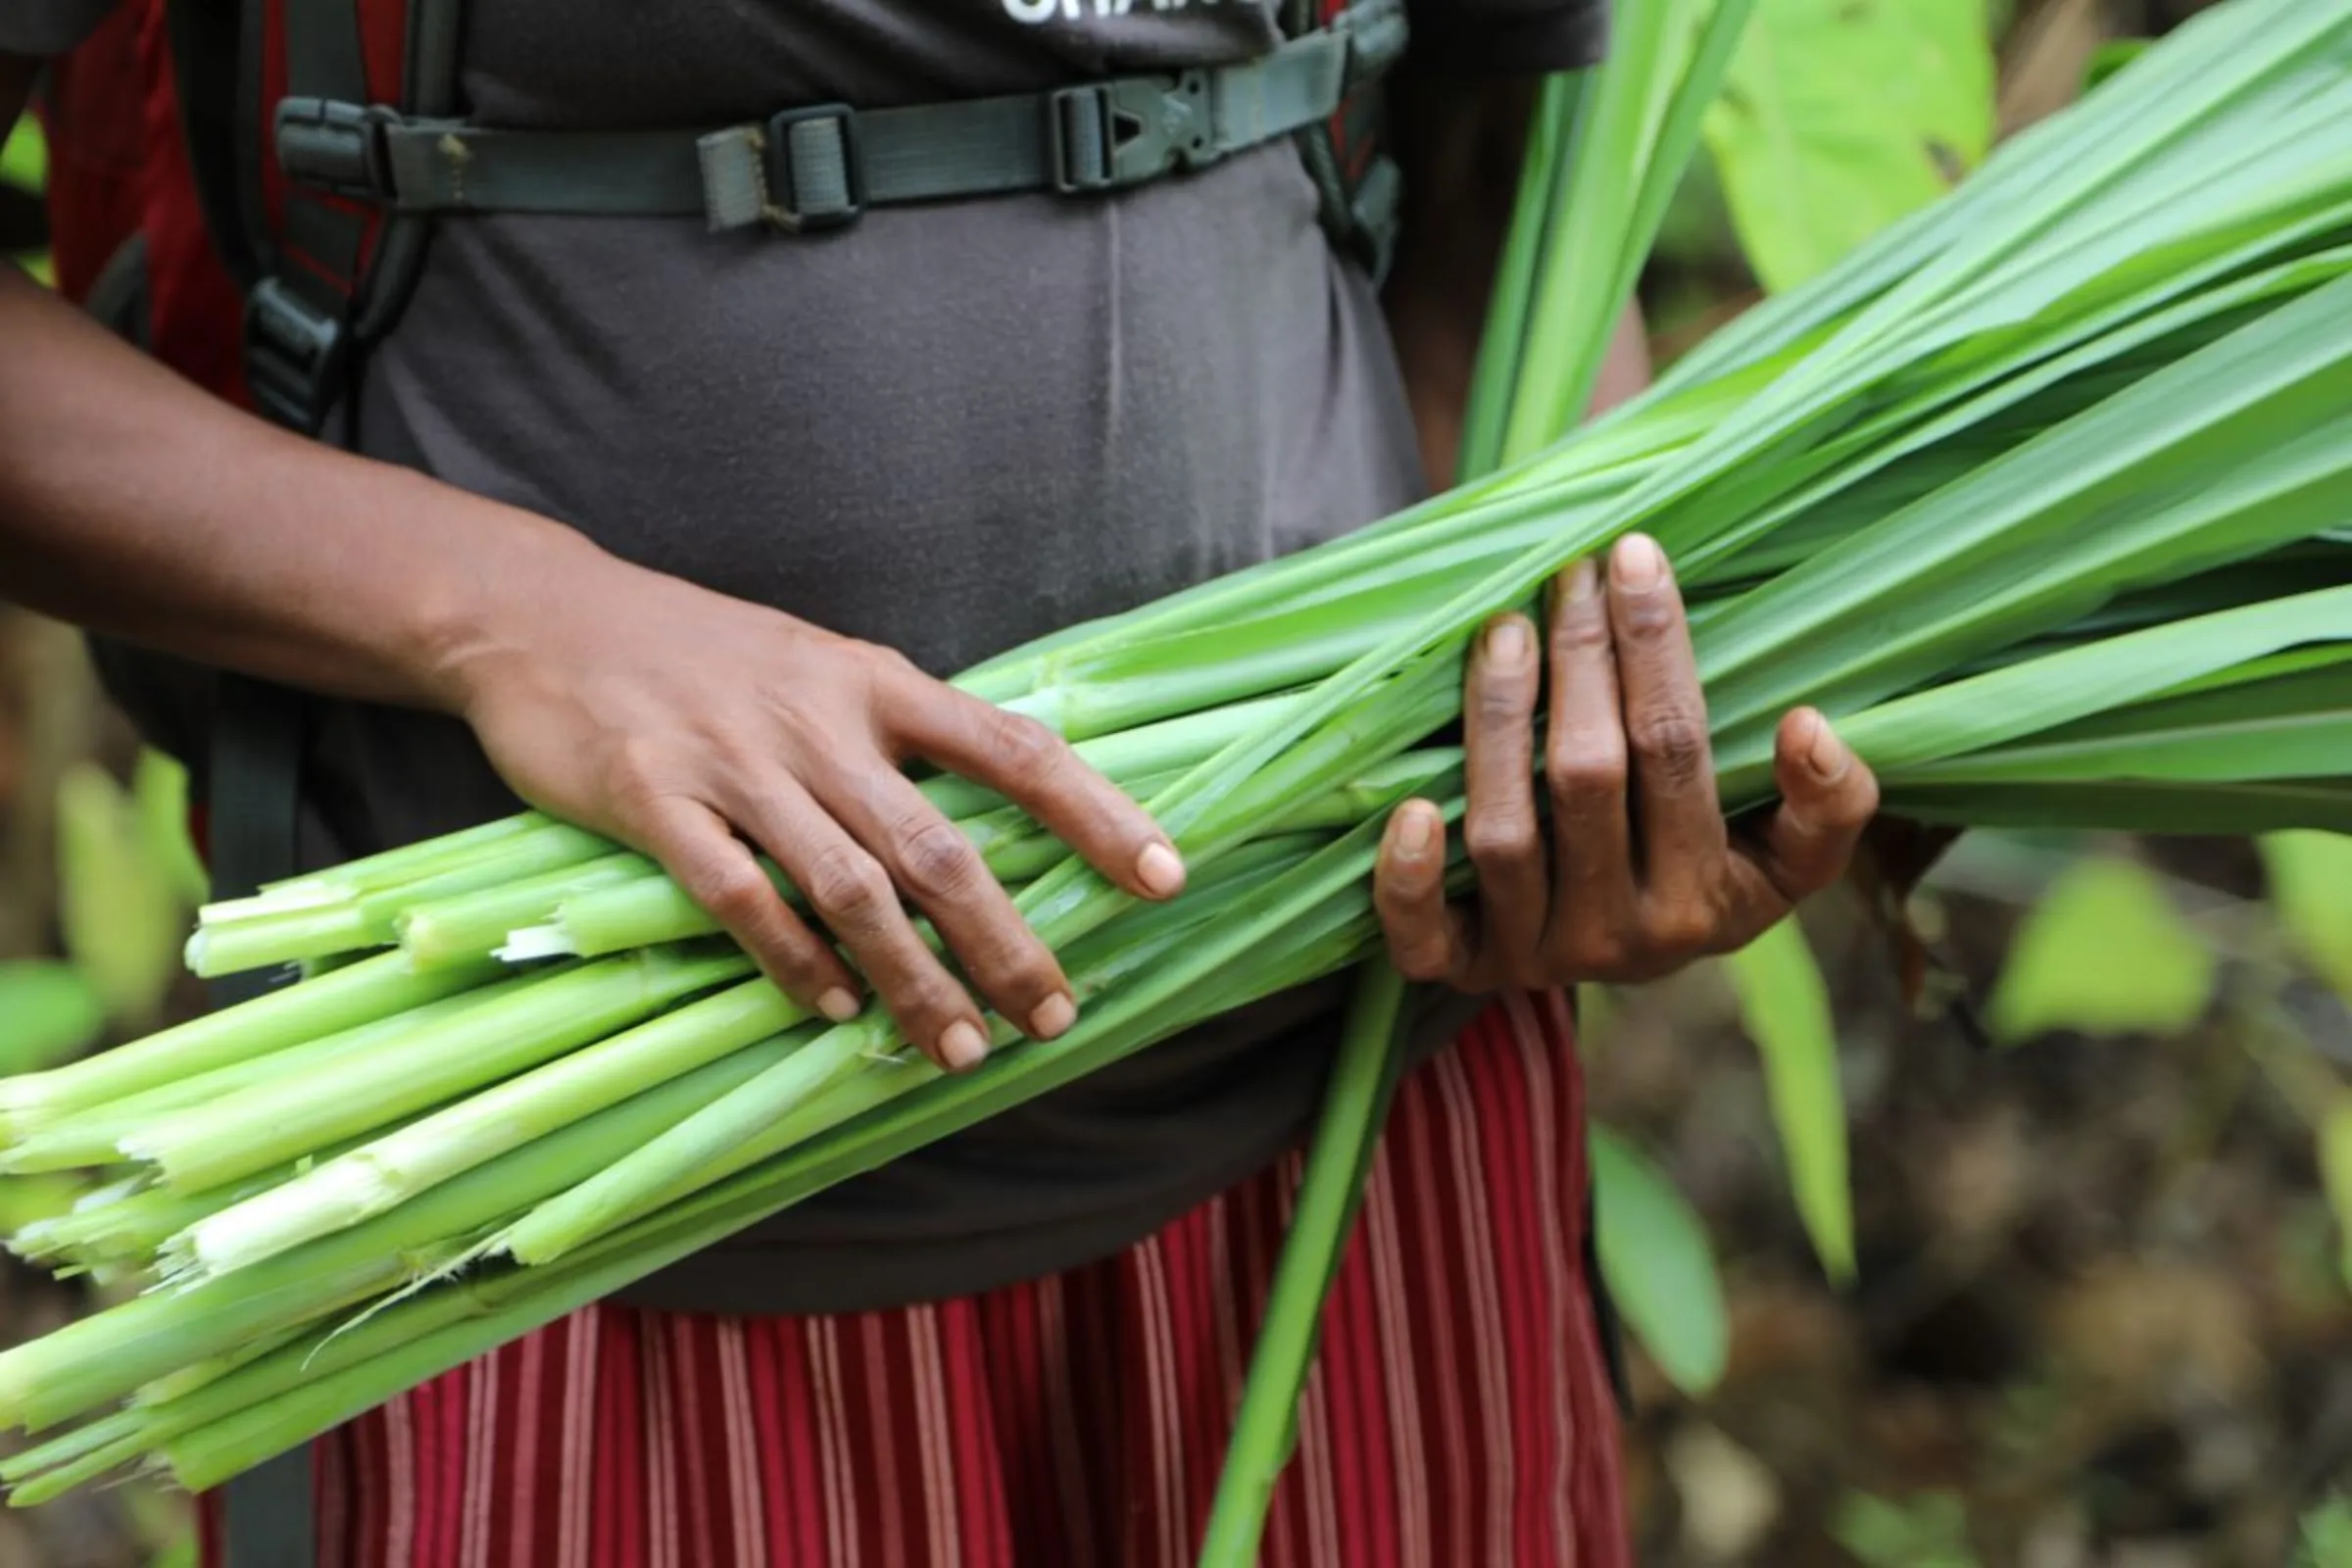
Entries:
{"x":821,"y":168}
{"x":1357,"y":183}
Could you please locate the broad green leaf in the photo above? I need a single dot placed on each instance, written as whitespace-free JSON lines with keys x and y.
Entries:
{"x":24,"y":157}
{"x":1841,"y":117}
{"x":124,"y":925}
{"x":2104,"y":953}
{"x":160,"y":786}
{"x":2311,"y":886}
{"x":1661,"y":1270}
{"x":1785,"y":1002}
{"x":2336,"y":1169}
{"x":48,"y":1014}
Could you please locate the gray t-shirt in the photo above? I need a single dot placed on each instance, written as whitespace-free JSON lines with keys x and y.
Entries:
{"x":947,"y":429}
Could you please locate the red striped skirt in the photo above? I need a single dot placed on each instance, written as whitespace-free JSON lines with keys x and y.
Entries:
{"x":1459,"y":1413}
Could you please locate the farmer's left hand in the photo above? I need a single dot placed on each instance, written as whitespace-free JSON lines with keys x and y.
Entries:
{"x":1641,"y":873}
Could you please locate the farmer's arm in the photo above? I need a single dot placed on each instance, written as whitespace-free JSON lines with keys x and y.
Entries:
{"x":134,"y":503}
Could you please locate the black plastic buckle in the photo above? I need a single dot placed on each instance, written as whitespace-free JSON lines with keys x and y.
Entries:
{"x":788,"y":202}
{"x":1107,"y":135}
{"x":294,"y":357}
{"x":335,"y":146}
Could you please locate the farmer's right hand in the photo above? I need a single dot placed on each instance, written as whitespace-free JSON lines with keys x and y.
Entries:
{"x":694,"y":726}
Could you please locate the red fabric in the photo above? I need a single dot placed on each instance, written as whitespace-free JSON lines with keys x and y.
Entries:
{"x":1459,"y":1413}
{"x":97,"y":154}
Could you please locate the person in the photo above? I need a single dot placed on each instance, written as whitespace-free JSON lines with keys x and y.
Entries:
{"x":674,"y":534}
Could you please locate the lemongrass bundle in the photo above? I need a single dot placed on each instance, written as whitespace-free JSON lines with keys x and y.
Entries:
{"x":2041,"y":496}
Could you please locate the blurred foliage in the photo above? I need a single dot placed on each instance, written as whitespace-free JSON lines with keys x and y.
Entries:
{"x":1929,"y":1531}
{"x":2103,"y":954}
{"x":24,"y":173}
{"x":54,"y":1013}
{"x":123,"y":900}
{"x":1661,"y":1270}
{"x":1785,"y":1007}
{"x":1841,"y":117}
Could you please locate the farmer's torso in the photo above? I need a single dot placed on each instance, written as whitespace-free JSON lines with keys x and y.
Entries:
{"x":944,"y":429}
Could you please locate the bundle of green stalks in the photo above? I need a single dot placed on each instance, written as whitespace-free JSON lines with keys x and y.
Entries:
{"x":2042,"y":497}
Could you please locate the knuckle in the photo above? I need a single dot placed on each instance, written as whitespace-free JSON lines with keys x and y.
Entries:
{"x":1673,"y":747}
{"x":1026,"y":752}
{"x":1582,"y":765}
{"x":848,"y":887}
{"x":1503,"y":700}
{"x":632,"y":770}
{"x":1581,"y":631}
{"x":935,"y":860}
{"x":1501,"y":839}
{"x":1594,"y":952}
{"x":1654,"y":615}
{"x":1680,"y":929}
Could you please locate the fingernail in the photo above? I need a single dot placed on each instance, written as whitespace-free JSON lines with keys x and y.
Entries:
{"x":1828,"y":753}
{"x":1506,"y":640}
{"x":1639,"y":564}
{"x":963,"y":1045}
{"x":1160,"y":870}
{"x":1584,"y":580}
{"x":1417,"y":833}
{"x":1052,"y":1017}
{"x":838,"y":1004}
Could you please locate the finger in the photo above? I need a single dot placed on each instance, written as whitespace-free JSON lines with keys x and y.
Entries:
{"x":937,"y":867}
{"x":847,"y":889}
{"x":1683,"y":837}
{"x":1828,"y":799}
{"x":1036,"y":769}
{"x":1428,"y":938}
{"x":1584,"y":769}
{"x":721,"y":875}
{"x":1499,"y":827}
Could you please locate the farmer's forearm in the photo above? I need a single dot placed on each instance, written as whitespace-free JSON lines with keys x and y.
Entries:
{"x":1459,"y":144}
{"x":134,"y":503}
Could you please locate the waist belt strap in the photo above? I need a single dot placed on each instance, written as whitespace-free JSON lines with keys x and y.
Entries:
{"x":821,"y":168}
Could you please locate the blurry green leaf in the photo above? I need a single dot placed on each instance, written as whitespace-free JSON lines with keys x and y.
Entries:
{"x":24,"y":158}
{"x":2335,"y":1171}
{"x":48,"y":1014}
{"x":2103,"y":953}
{"x":2328,"y":1535}
{"x":160,"y":786}
{"x":122,"y":924}
{"x":1841,"y":117}
{"x":2111,"y":57}
{"x":2311,"y":886}
{"x":1929,"y":1531}
{"x":1784,"y":1004}
{"x":1659,"y":1268}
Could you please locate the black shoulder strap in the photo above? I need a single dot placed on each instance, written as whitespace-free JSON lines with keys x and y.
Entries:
{"x":311,"y":290}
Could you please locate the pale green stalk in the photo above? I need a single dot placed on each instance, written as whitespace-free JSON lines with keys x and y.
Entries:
{"x":387,"y":1171}
{"x":320,"y":923}
{"x":361,"y":993}
{"x":106,"y":1355}
{"x":94,"y":1136}
{"x":1364,"y":1076}
{"x":469,"y":927}
{"x":273,"y":1123}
